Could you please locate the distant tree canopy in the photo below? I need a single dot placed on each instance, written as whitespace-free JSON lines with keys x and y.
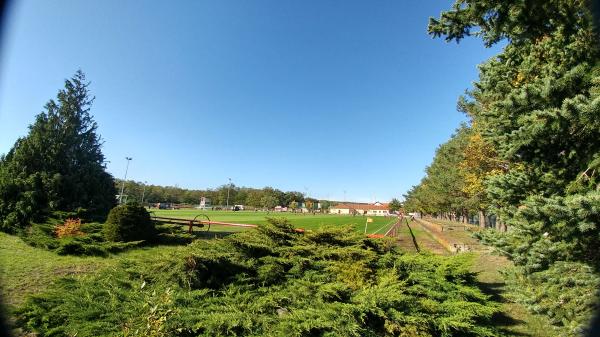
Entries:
{"x":247,"y":196}
{"x":395,"y":205}
{"x":444,"y":190}
{"x":59,"y":165}
{"x":253,"y":197}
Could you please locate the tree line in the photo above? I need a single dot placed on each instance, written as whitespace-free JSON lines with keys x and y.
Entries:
{"x":454,"y":186}
{"x":530,"y":153}
{"x":267,"y":197}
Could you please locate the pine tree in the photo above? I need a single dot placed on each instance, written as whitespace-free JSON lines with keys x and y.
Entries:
{"x":59,"y":165}
{"x":537,"y":104}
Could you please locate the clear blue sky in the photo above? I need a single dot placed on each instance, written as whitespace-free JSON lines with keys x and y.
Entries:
{"x":315,"y":96}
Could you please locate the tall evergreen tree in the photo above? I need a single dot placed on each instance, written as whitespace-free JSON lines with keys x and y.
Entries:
{"x":59,"y":165}
{"x":537,"y":104}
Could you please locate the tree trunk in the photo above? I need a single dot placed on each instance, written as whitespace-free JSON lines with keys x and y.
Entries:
{"x":482,"y":223}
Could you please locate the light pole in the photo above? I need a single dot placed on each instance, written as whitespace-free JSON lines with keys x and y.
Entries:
{"x":123,"y":184}
{"x":228,"y":187}
{"x":144,"y":192}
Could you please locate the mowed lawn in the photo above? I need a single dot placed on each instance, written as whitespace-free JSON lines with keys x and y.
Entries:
{"x":26,"y":270}
{"x":380,"y":224}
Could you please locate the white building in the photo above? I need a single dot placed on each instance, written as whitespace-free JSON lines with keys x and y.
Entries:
{"x":376,"y":209}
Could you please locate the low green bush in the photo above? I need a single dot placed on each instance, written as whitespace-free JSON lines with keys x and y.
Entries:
{"x":41,"y":236}
{"x":172,"y":235}
{"x":129,"y":222}
{"x":75,"y":246}
{"x":92,"y":228}
{"x":91,"y":243}
{"x":272,"y":281}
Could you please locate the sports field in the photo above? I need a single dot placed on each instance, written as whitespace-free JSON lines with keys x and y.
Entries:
{"x":380,"y":225}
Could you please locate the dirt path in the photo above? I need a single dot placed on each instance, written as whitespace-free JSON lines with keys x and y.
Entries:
{"x":405,"y":239}
{"x":411,"y":234}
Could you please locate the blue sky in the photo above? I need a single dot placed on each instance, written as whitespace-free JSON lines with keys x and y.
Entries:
{"x":315,"y":96}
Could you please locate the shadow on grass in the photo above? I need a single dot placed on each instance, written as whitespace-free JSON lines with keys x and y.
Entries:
{"x":414,"y":239}
{"x":501,"y":320}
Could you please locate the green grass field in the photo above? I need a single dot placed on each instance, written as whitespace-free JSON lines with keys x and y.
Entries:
{"x":380,"y":225}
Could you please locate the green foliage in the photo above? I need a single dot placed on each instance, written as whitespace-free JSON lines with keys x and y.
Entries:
{"x":237,"y":195}
{"x":92,"y":243}
{"x":441,"y":191}
{"x":538,"y":101}
{"x":519,"y":21}
{"x":268,"y":201}
{"x":537,"y":107}
{"x":545,"y":230}
{"x":172,"y":235}
{"x":272,"y":281}
{"x":129,"y":222}
{"x":42,"y":235}
{"x":566,"y":293}
{"x":59,"y":165}
{"x":395,"y":205}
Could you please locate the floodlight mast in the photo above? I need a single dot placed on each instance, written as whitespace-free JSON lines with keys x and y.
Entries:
{"x":228,"y":187}
{"x":144,"y":192}
{"x":123,"y":184}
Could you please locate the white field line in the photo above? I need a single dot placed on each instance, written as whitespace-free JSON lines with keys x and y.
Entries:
{"x":382,"y":227}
